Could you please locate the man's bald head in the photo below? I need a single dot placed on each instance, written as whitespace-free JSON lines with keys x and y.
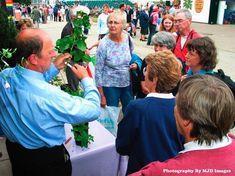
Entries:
{"x":29,"y":41}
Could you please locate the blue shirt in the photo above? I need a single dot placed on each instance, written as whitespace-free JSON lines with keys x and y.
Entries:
{"x":112,"y":67}
{"x":33,"y":112}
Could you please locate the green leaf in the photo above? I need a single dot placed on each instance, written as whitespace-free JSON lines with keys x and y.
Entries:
{"x":81,"y":45}
{"x":93,"y":60}
{"x":78,"y":32}
{"x":77,"y":55}
{"x":86,"y":58}
{"x":64,"y":44}
{"x":78,"y":23}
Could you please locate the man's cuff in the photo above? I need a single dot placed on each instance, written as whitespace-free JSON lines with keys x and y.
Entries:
{"x":87,"y":81}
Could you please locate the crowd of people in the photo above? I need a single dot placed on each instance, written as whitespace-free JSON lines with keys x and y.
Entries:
{"x":178,"y":119}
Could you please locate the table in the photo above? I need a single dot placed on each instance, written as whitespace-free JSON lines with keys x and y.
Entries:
{"x":99,"y":159}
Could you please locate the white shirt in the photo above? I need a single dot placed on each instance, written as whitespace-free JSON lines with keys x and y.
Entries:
{"x":183,"y":40}
{"x":161,"y":95}
{"x":102,"y":23}
{"x":193,"y":145}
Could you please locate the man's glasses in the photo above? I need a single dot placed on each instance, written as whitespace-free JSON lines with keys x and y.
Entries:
{"x":179,"y":21}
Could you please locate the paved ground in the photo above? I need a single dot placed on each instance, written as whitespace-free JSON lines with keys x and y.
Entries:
{"x":223,"y":35}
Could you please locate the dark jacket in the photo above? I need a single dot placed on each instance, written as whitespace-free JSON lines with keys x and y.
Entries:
{"x":148,"y":132}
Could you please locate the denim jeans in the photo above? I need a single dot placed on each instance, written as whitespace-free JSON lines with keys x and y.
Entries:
{"x":114,"y":94}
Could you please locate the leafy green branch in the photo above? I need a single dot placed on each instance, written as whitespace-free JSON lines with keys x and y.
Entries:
{"x":75,"y":43}
{"x":81,"y":134}
{"x":80,"y":131}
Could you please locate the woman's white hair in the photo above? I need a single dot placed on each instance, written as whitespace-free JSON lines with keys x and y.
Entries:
{"x":120,"y":15}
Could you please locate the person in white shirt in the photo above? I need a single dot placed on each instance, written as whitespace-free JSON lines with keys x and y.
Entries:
{"x":102,"y":22}
{"x":62,"y":10}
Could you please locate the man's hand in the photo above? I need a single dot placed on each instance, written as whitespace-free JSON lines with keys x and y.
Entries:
{"x":61,"y":59}
{"x":79,"y":71}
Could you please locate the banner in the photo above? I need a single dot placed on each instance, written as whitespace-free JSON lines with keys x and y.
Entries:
{"x":9,"y":3}
{"x":9,"y":6}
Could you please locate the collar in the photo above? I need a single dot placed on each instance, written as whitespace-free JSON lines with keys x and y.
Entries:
{"x":200,"y":72}
{"x":161,"y":95}
{"x":27,"y":72}
{"x":193,"y":145}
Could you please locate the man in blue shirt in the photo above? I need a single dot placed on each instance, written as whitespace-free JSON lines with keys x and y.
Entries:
{"x":33,"y":112}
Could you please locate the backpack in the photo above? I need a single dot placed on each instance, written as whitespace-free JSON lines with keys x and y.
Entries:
{"x":226,"y":79}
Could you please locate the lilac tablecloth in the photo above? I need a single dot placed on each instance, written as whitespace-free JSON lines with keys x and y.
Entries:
{"x":100,"y":158}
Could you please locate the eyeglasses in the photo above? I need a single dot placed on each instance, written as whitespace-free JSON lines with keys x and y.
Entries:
{"x":113,"y":22}
{"x":179,"y":21}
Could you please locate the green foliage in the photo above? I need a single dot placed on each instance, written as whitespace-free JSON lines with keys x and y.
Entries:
{"x":80,"y":131}
{"x":75,"y":43}
{"x":5,"y":55}
{"x":188,"y":4}
{"x":81,"y":135}
{"x":8,"y":30}
{"x":57,"y":81}
{"x":79,"y":92}
{"x":23,"y":2}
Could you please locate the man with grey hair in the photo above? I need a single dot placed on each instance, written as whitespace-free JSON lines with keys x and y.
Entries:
{"x":204,"y":113}
{"x":183,"y":21}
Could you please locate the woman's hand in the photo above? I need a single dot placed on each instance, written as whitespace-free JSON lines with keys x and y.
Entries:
{"x":87,"y":52}
{"x":134,"y":66}
{"x":103,"y":102}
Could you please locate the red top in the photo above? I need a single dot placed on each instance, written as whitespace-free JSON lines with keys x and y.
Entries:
{"x":213,"y":162}
{"x":181,"y":53}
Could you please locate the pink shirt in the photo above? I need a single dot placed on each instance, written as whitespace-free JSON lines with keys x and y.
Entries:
{"x":207,"y":162}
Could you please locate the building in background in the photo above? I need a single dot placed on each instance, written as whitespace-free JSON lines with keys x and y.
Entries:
{"x":211,"y":11}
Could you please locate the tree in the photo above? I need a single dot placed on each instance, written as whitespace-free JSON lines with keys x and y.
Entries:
{"x":188,"y":4}
{"x":23,"y":2}
{"x":7,"y":36}
{"x":8,"y":31}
